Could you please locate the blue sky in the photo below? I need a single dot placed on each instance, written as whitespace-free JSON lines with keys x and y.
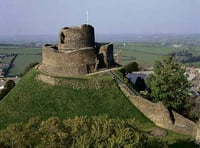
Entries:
{"x":33,"y":17}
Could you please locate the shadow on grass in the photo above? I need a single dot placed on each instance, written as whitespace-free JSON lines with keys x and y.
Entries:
{"x":184,"y":144}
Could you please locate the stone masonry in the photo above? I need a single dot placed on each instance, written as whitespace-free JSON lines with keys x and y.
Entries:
{"x":159,"y":114}
{"x":76,"y":53}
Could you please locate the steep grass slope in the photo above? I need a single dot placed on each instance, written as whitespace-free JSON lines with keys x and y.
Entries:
{"x":31,"y":98}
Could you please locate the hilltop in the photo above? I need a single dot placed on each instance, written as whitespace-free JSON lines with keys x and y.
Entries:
{"x":89,"y":96}
{"x":80,"y":96}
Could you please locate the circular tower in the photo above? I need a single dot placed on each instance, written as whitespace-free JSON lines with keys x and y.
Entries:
{"x":74,"y":38}
{"x":73,"y":56}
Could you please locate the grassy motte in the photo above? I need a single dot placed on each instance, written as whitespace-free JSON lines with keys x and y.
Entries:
{"x":31,"y":98}
{"x":83,"y":96}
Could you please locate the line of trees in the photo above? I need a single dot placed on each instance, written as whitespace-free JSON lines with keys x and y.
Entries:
{"x":185,"y":56}
{"x":10,"y":65}
{"x":190,"y":59}
{"x":181,"y":53}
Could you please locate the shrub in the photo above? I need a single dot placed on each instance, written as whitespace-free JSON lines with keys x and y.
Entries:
{"x":8,"y":86}
{"x":77,"y":132}
{"x":133,"y":66}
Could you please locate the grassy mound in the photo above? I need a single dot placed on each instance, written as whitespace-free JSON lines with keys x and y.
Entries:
{"x":83,"y":96}
{"x":31,"y":98}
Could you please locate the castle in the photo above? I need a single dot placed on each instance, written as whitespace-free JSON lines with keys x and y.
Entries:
{"x":77,"y":53}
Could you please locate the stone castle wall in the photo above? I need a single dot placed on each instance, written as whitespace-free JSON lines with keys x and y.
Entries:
{"x":106,"y":55}
{"x":159,"y":114}
{"x":76,"y":53}
{"x":71,"y":63}
{"x":76,"y":37}
{"x":198,"y":133}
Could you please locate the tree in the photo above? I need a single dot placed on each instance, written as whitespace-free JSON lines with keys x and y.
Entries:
{"x":169,"y":84}
{"x":8,"y":86}
{"x":130,"y":67}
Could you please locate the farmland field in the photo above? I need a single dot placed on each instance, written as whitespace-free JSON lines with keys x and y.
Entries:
{"x":25,"y":56}
{"x":143,"y":53}
{"x":21,"y":62}
{"x":147,"y":53}
{"x":19,"y":50}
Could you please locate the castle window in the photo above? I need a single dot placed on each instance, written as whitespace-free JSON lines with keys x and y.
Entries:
{"x":62,"y":38}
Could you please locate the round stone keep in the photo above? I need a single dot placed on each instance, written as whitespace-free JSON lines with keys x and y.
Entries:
{"x":74,"y":38}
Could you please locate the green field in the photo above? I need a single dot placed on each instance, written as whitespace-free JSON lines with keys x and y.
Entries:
{"x":21,"y":62}
{"x":147,"y":53}
{"x":25,"y":56}
{"x":143,"y":53}
{"x":20,"y":50}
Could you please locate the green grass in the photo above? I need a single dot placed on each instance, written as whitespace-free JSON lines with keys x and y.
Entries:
{"x":148,"y":53}
{"x":21,"y":62}
{"x":25,"y":56}
{"x":173,"y":138}
{"x":32,"y":98}
{"x":144,"y":53}
{"x":20,"y":50}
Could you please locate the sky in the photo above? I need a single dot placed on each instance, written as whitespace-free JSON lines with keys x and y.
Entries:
{"x":43,"y":17}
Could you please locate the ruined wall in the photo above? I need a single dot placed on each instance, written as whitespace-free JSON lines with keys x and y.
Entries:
{"x":198,"y":133}
{"x":73,"y":38}
{"x":184,"y":124}
{"x":107,"y":52}
{"x":154,"y":111}
{"x":105,"y":55}
{"x":71,"y":63}
{"x":76,"y":53}
{"x":74,"y":83}
{"x":47,"y":79}
{"x":159,"y":114}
